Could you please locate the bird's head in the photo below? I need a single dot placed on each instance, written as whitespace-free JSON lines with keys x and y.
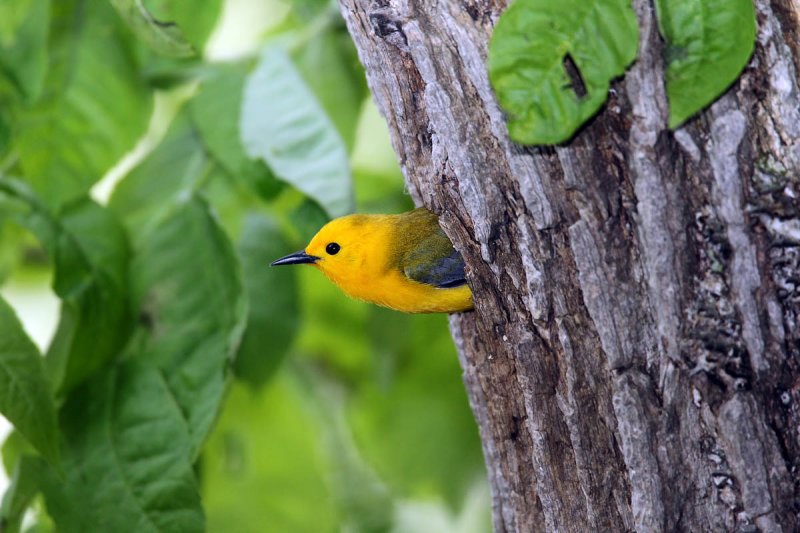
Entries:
{"x":345,"y":247}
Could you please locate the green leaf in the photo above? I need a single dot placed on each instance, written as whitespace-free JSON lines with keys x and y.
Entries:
{"x":709,"y":42}
{"x":25,"y":484}
{"x":23,"y":50}
{"x":215,"y":113}
{"x":23,"y":61}
{"x":164,"y":38}
{"x":533,"y":44}
{"x":26,"y":398}
{"x":187,"y":287}
{"x":127,"y":458}
{"x":284,"y":125}
{"x":272,"y":292}
{"x":329,"y":65}
{"x":14,"y":448}
{"x":89,"y":252}
{"x":169,"y":172}
{"x":230,"y":200}
{"x":195,"y":19}
{"x":14,"y":241}
{"x":94,"y":106}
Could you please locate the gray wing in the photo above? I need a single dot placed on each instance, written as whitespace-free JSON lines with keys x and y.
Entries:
{"x":435,"y":262}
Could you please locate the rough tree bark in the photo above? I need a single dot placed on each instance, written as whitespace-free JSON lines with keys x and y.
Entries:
{"x":633,"y":361}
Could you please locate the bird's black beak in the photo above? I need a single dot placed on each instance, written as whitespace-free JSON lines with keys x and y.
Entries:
{"x":297,"y":258}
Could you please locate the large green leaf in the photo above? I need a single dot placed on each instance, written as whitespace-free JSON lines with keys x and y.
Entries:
{"x":273,"y":301}
{"x":708,"y":44}
{"x":533,"y":47}
{"x":215,"y":113}
{"x":134,"y":431}
{"x":283,"y":124}
{"x":94,"y":105}
{"x":127,"y":466}
{"x":169,"y":172}
{"x":187,"y":288}
{"x":89,"y":252}
{"x":26,"y":398}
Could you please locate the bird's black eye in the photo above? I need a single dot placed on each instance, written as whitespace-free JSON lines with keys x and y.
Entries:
{"x":332,"y":248}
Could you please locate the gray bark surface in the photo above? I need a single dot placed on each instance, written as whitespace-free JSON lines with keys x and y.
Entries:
{"x":633,"y":361}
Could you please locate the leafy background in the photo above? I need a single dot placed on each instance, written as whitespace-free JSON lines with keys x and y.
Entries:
{"x":154,"y":157}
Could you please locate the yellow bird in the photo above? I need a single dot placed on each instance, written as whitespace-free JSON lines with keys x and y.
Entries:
{"x":404,"y":262}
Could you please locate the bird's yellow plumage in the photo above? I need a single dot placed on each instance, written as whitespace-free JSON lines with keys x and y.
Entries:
{"x":404,"y":262}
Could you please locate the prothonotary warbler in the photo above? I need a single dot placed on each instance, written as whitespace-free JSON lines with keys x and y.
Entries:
{"x":404,"y":262}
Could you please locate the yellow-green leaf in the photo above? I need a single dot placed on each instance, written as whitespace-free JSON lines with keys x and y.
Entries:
{"x":26,"y":398}
{"x":551,"y":63}
{"x":708,"y":44}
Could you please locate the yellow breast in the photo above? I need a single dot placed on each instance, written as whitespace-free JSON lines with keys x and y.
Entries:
{"x":393,"y":290}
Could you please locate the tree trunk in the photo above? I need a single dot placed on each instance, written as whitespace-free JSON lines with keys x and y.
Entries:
{"x":633,"y":361}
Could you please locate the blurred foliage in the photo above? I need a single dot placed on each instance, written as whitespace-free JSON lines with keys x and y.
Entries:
{"x":188,"y":386}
